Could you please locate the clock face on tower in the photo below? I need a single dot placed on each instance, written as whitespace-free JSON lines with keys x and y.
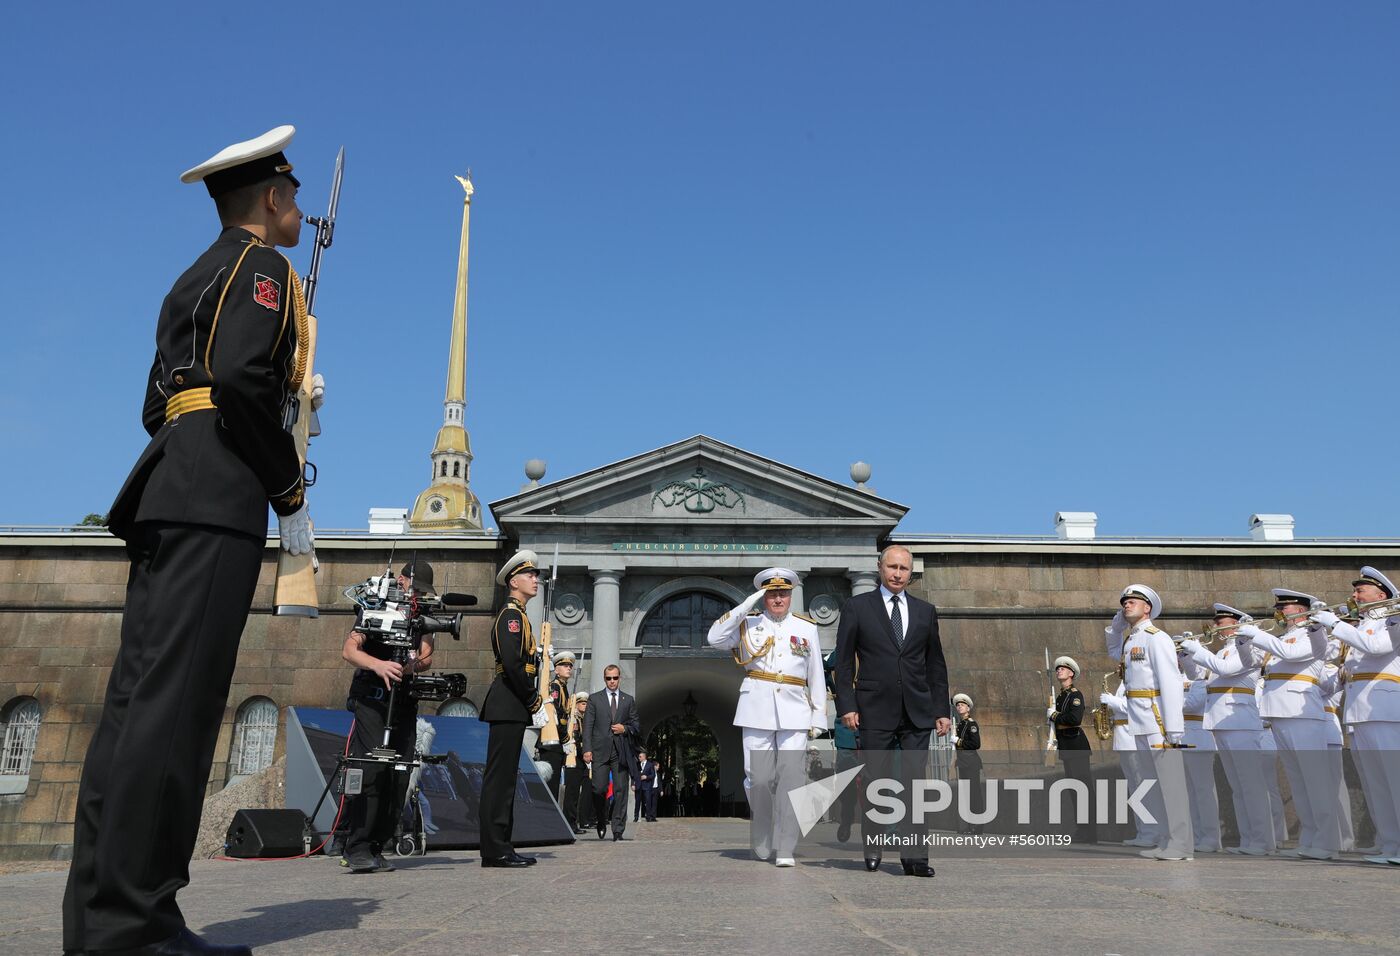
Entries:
{"x":435,"y":505}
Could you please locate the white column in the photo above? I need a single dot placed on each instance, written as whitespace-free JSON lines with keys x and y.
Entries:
{"x":607,"y":624}
{"x":863,"y":581}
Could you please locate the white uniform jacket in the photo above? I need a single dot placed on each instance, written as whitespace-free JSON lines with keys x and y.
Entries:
{"x":789,"y":650}
{"x":1152,"y":680}
{"x":1293,"y":671}
{"x":1372,"y":668}
{"x":1193,"y":706}
{"x":1118,"y":707}
{"x":1230,"y":700}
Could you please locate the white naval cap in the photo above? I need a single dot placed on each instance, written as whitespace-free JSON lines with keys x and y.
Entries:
{"x":1064,"y":660}
{"x":519,"y":563}
{"x":962,"y":699}
{"x":245,"y":163}
{"x":1370,"y":575}
{"x":564,"y":657}
{"x":1225,"y":610}
{"x":1284,"y":596}
{"x":775,"y":579}
{"x":1145,"y":593}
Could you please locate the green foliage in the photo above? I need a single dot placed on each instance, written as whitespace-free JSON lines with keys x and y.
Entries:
{"x":93,"y":520}
{"x":698,"y":748}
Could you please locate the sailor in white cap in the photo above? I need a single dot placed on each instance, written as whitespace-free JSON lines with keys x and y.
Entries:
{"x":1066,"y":718}
{"x":1231,"y":715}
{"x":1292,"y":702}
{"x":193,"y":513}
{"x":782,"y":702}
{"x":1371,"y":665}
{"x":1147,"y":662}
{"x":1135,"y":766}
{"x":1198,"y":756}
{"x":967,"y":741}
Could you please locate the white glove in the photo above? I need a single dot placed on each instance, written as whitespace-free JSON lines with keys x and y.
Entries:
{"x":1247,"y":631}
{"x":1325,"y":617}
{"x":1191,"y":645}
{"x":539,"y":718}
{"x":1049,"y":713}
{"x":1119,"y":624}
{"x":813,"y":733}
{"x":1173,"y":739}
{"x":570,"y":749}
{"x":295,"y":532}
{"x":1106,"y":698}
{"x":318,"y":391}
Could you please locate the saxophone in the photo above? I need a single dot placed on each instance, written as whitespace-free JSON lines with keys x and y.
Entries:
{"x":1103,"y":717}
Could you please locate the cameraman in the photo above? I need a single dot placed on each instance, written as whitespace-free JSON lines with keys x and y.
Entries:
{"x":373,"y":813}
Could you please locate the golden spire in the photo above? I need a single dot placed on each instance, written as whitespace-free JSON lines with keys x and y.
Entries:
{"x":447,"y":504}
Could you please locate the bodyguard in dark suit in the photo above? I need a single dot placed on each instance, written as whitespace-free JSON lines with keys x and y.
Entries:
{"x":892,"y":686}
{"x":230,"y":351}
{"x":514,"y":696}
{"x":609,"y":725}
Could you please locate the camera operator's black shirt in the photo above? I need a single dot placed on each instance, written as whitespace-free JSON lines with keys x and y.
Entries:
{"x":367,"y":683}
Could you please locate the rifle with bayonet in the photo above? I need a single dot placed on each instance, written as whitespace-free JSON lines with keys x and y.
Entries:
{"x":549,"y":732}
{"x":295,"y":592}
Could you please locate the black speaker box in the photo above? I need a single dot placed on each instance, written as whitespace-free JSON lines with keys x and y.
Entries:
{"x":265,"y":833}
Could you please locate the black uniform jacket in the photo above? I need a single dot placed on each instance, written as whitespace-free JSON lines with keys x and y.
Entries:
{"x":228,"y":324}
{"x":969,"y":738}
{"x":893,"y":678}
{"x":514,"y":694}
{"x":1069,"y":714}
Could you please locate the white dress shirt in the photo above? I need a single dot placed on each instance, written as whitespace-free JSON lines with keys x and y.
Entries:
{"x":885,"y":595}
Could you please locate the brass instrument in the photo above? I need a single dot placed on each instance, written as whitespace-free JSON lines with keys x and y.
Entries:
{"x":1103,"y":717}
{"x":1205,"y":640}
{"x":1355,"y":608}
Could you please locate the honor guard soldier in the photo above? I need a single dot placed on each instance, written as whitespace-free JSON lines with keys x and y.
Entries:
{"x":1147,"y":661}
{"x":1231,"y":716}
{"x":782,"y":702}
{"x":554,"y":754}
{"x":967,"y":740}
{"x":1371,"y":667}
{"x":230,"y":352}
{"x":1292,"y":702}
{"x":508,"y":707}
{"x":1067,"y":717}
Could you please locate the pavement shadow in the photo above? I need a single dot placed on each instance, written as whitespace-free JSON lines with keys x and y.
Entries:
{"x":287,"y":921}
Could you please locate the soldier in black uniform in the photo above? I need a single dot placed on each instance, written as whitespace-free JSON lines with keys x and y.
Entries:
{"x":967,"y":738}
{"x":553,"y":754}
{"x":509,"y":704}
{"x":373,"y":813}
{"x":1073,"y":745}
{"x":193,"y":513}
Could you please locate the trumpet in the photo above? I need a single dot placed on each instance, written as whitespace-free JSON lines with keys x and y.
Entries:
{"x":1355,"y":608}
{"x":1205,"y":640}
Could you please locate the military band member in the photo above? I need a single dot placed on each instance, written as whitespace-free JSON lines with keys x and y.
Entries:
{"x":508,"y":707}
{"x":193,"y":513}
{"x":1231,"y":715}
{"x":967,"y":740}
{"x":1372,"y":669}
{"x":1147,"y":660}
{"x":782,"y":702}
{"x":1199,"y":758}
{"x":1333,"y":689}
{"x":1292,"y":702}
{"x":1145,"y":834}
{"x":1066,"y":716}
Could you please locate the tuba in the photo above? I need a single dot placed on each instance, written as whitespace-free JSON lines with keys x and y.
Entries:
{"x":1103,"y":717}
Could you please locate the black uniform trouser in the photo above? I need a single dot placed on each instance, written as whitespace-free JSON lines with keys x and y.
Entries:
{"x":1077,"y":768}
{"x":970,"y":769}
{"x":846,"y":758}
{"x":878,"y":750}
{"x":554,"y":756}
{"x":372,"y":815}
{"x":497,"y":816}
{"x":143,"y":781}
{"x":622,"y":783}
{"x":574,"y":780}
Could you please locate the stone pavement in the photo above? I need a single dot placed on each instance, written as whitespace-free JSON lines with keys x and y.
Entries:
{"x":688,"y":886}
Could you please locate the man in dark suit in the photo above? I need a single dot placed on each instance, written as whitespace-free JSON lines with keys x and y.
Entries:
{"x":609,"y":725}
{"x":892,"y":687}
{"x":647,"y":783}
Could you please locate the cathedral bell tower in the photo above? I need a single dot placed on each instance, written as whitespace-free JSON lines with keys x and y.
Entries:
{"x":447,"y":504}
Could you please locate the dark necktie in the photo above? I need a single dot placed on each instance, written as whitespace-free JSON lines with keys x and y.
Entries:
{"x":897,"y":619}
{"x":612,"y":707}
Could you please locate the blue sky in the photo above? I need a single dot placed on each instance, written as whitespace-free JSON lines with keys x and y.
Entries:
{"x":1020,"y":257}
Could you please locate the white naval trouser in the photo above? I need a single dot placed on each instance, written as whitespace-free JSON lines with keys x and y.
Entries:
{"x":1346,"y":834}
{"x":1268,"y":747}
{"x":1312,"y":771}
{"x":1168,"y":801}
{"x":773,"y":767}
{"x":1244,"y":765}
{"x":1132,"y":764}
{"x":1375,"y":746}
{"x":1205,"y":805}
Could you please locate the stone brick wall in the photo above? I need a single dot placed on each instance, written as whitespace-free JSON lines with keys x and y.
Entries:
{"x":60,"y":622}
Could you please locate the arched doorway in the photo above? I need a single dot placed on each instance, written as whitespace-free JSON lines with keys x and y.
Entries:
{"x":681,"y":621}
{"x":688,"y":752}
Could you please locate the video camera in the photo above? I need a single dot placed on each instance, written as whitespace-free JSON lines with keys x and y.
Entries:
{"x":399,"y":619}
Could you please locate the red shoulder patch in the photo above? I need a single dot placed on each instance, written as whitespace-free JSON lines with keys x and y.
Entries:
{"x":267,"y":292}
{"x":513,"y":626}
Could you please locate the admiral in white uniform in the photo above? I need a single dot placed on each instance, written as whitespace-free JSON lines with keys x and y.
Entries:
{"x":1371,"y":666}
{"x":1292,"y":702}
{"x":1231,"y":715}
{"x":1147,"y":661}
{"x":781,"y":702}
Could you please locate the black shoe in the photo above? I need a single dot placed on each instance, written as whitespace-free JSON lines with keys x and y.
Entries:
{"x":843,"y":832}
{"x":361,"y":861}
{"x":616,"y":836}
{"x":382,"y":865}
{"x":185,"y":943}
{"x":872,"y":864}
{"x":529,"y":860}
{"x":916,"y":868}
{"x":602,"y":833}
{"x":509,"y":861}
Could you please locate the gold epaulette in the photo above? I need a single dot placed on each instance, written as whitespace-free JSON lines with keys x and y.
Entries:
{"x":1152,"y":629}
{"x":803,"y":617}
{"x":754,"y":613}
